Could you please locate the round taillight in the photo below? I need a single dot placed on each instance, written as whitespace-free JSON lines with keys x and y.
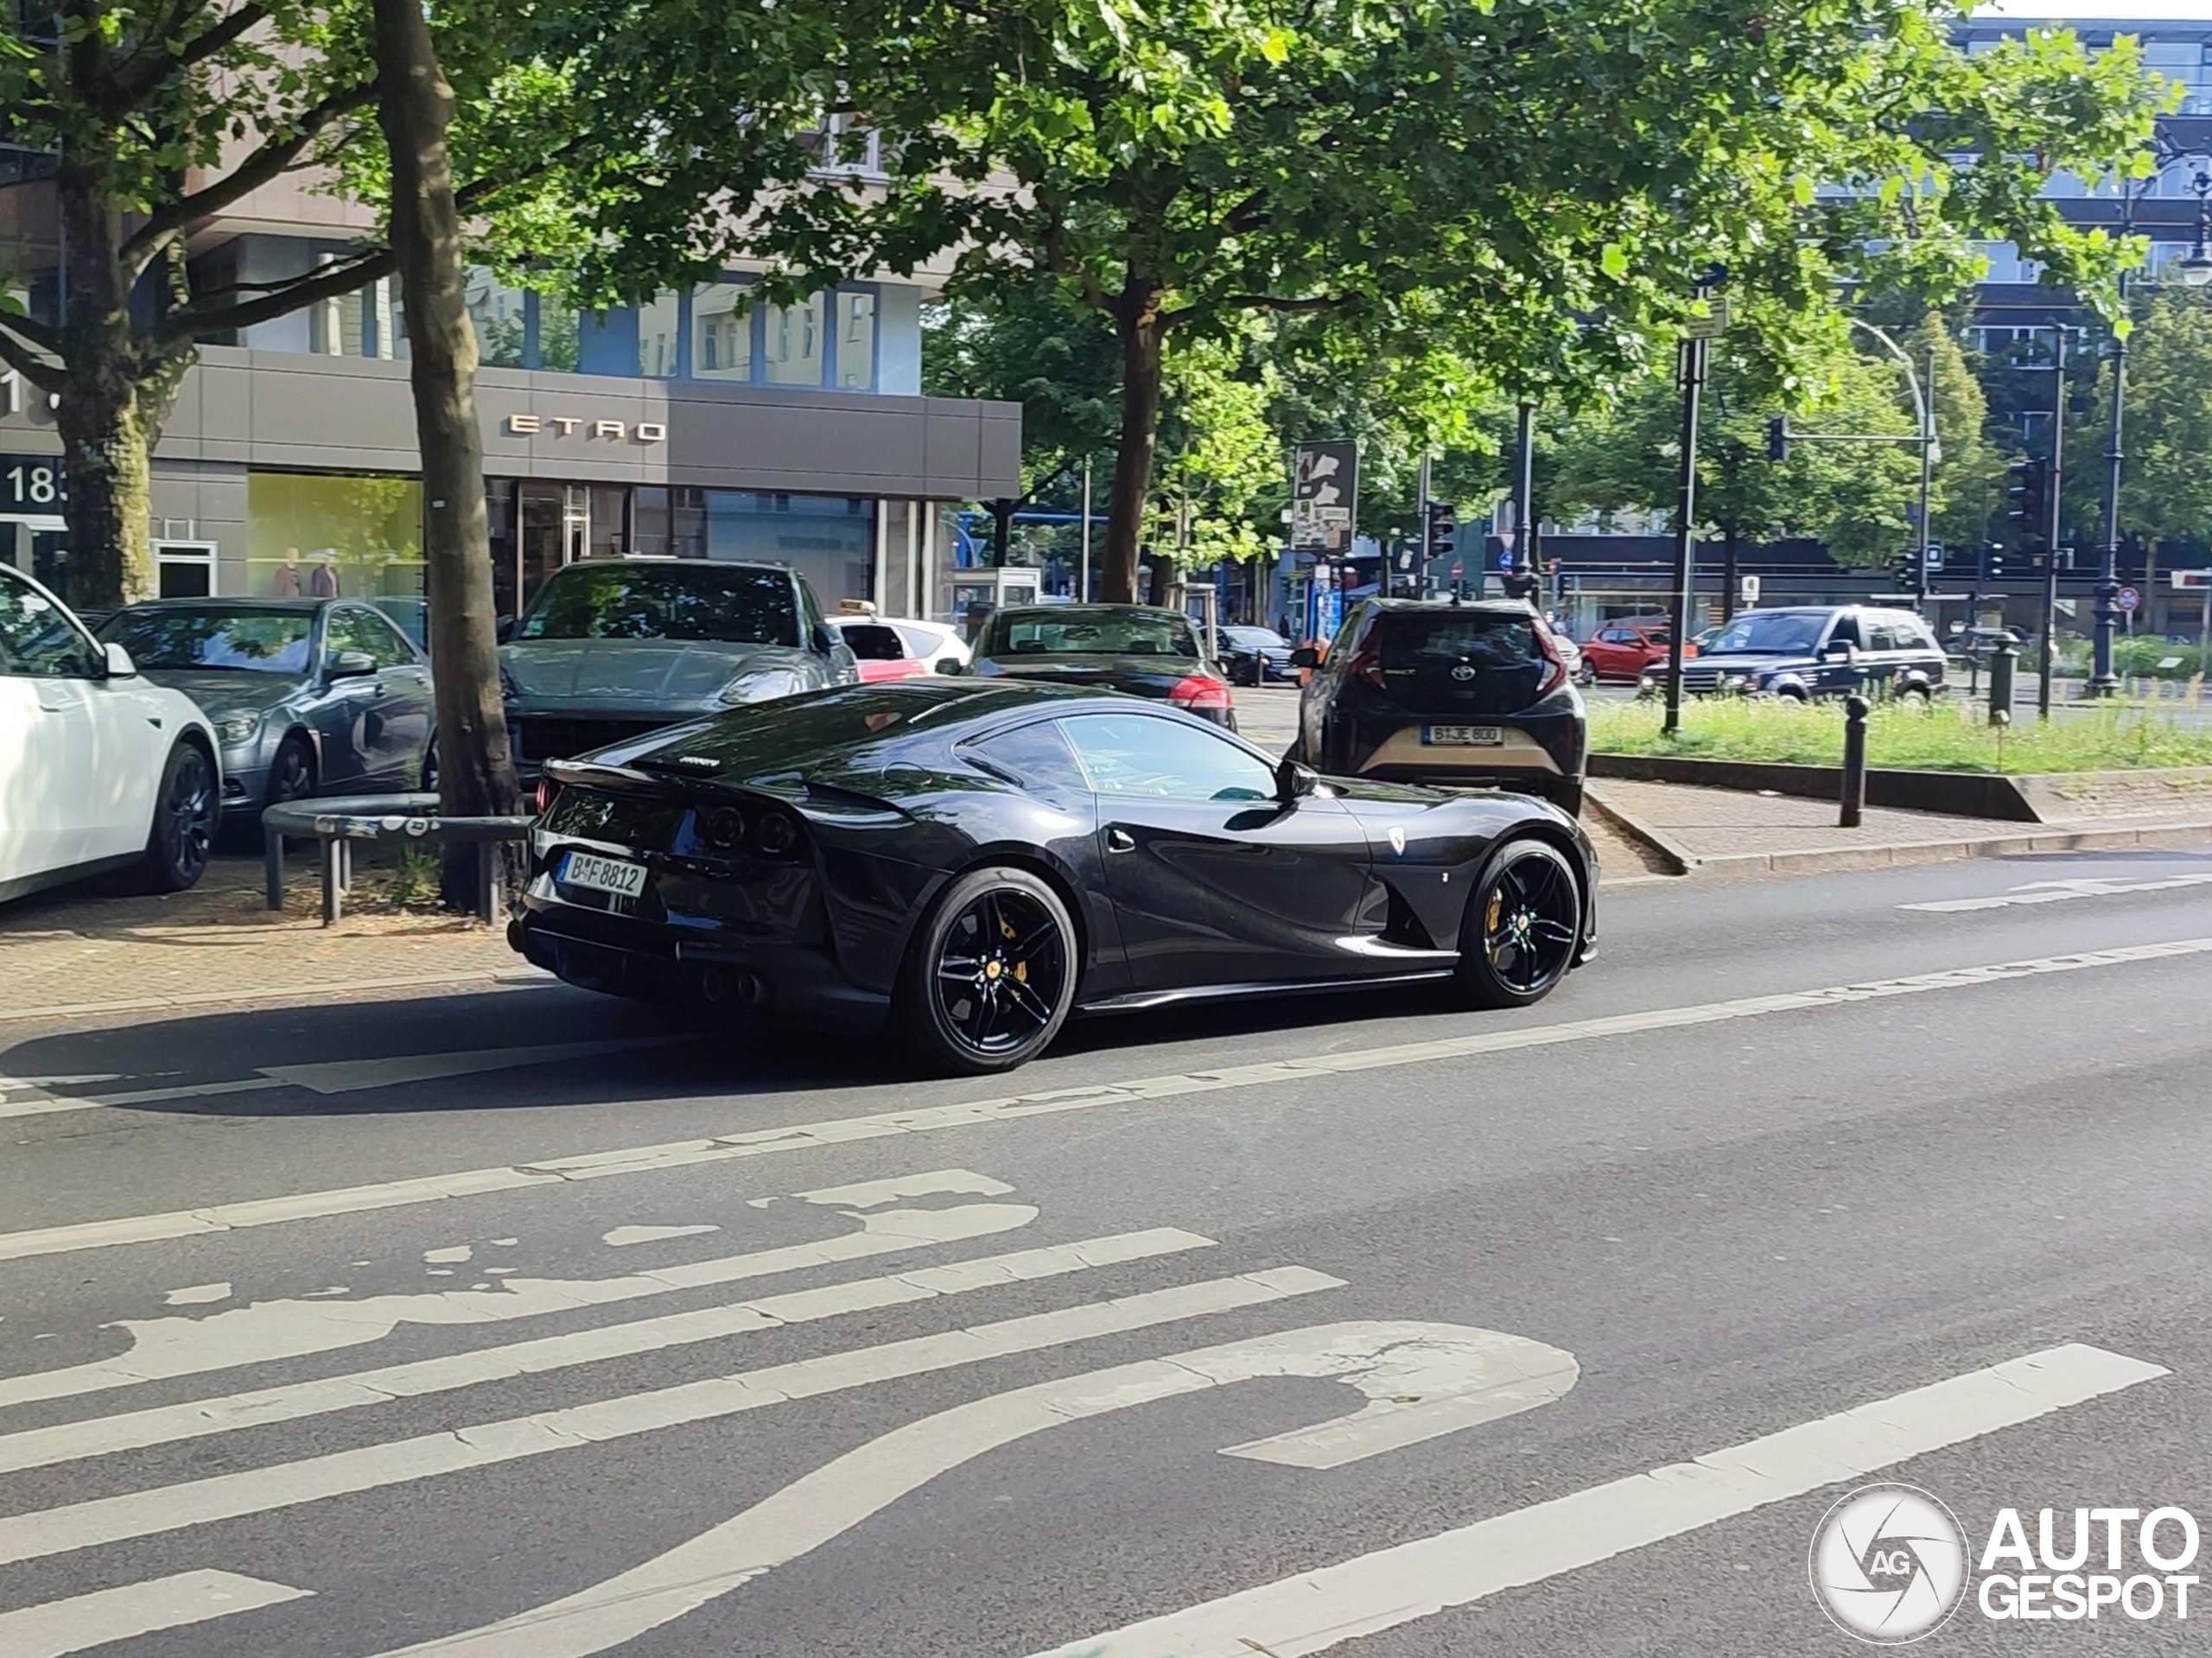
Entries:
{"x":548,"y":792}
{"x":776,"y":834}
{"x":725,"y":827}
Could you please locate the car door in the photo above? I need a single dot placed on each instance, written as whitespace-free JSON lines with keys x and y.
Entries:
{"x":1319,"y":695}
{"x":50,"y":745}
{"x":1840,"y":671}
{"x":1611,"y":652}
{"x":1886,"y":653}
{"x":398,"y":726}
{"x":1213,"y":879}
{"x":341,"y":708}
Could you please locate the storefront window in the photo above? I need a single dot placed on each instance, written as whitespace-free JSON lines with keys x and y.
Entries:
{"x":721,"y":333}
{"x":857,"y":341}
{"x":660,"y":342}
{"x":794,"y":348}
{"x":829,"y":539}
{"x":309,"y":536}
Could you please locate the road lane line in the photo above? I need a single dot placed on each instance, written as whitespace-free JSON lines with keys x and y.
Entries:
{"x":181,"y":1344}
{"x":225,"y":1496}
{"x":2058,"y":891}
{"x":198,"y":1418}
{"x":1460,"y":1377}
{"x":686,"y":1154}
{"x":1315,"y":1611}
{"x":84,"y":1622}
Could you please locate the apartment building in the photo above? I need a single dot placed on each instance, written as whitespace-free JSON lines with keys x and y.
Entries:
{"x":689,"y":425}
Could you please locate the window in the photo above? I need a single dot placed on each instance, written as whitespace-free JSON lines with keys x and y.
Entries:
{"x":1153,"y":756}
{"x":659,"y":343}
{"x":721,"y":332}
{"x":1883,"y":635}
{"x":37,"y":638}
{"x":620,"y":600}
{"x":855,"y":341}
{"x":262,"y":640}
{"x":364,"y":631}
{"x":310,"y":535}
{"x":1845,"y":631}
{"x":1087,"y":631}
{"x":1034,"y":754}
{"x":873,"y":642}
{"x":185,"y":569}
{"x":794,"y":343}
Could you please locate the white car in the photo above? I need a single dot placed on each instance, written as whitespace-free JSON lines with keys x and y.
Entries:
{"x":935,"y":643}
{"x":100,"y":768}
{"x":895,"y":647}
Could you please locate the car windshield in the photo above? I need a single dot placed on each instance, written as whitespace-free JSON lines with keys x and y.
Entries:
{"x":1440,"y":639}
{"x":1777,"y":632}
{"x":665,"y":601}
{"x":1264,"y":638}
{"x":201,"y":636}
{"x":1085,"y":631}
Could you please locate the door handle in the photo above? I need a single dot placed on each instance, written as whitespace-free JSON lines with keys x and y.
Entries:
{"x":1120,"y":839}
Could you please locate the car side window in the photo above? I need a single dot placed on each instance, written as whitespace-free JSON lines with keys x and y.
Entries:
{"x":1036,"y":754}
{"x":342,"y":630}
{"x":1845,"y":631}
{"x":39,"y":641}
{"x":1340,"y":646}
{"x":1162,"y":757}
{"x":381,"y":640}
{"x":1882,"y":636}
{"x":872,"y":642}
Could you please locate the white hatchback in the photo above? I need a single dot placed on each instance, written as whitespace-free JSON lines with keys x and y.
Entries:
{"x":100,"y":768}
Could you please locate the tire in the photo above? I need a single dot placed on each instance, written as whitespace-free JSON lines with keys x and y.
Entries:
{"x":989,"y":975}
{"x":1523,"y":927}
{"x":291,"y":774}
{"x":186,"y":811}
{"x":1916,"y":693}
{"x":1585,"y":676}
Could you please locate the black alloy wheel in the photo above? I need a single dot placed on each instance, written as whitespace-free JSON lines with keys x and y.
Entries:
{"x":427,"y":781}
{"x":991,"y":974}
{"x":182,"y":835}
{"x":291,"y":774}
{"x":1523,"y":928}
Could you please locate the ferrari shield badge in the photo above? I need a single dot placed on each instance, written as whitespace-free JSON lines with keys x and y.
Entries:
{"x":1397,"y":839}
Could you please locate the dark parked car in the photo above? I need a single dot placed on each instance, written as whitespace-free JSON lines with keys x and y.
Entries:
{"x":1820,"y":650}
{"x":1253,"y":656}
{"x":1132,"y":648}
{"x":307,"y":696}
{"x":973,"y":860}
{"x":610,"y":649}
{"x":1425,"y":691}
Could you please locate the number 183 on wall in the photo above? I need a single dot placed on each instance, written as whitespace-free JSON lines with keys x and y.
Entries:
{"x":30,"y":482}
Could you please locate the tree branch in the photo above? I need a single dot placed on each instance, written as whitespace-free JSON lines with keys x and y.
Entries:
{"x":19,"y":357}
{"x":148,"y":70}
{"x":173,"y":219}
{"x":44,"y":335}
{"x":195,"y":322}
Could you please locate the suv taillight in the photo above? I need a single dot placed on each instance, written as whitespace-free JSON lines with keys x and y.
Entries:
{"x":1200,"y":691}
{"x":1555,"y":675}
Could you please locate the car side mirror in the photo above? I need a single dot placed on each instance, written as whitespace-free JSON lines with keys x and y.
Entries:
{"x":505,"y":630}
{"x":825,"y":640}
{"x":952,"y":666}
{"x":1836,"y":650}
{"x":349,"y":664}
{"x":1293,"y":782}
{"x":119,"y":664}
{"x":1306,"y":656}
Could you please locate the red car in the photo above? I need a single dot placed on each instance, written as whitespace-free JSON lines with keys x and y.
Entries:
{"x":1625,"y":649}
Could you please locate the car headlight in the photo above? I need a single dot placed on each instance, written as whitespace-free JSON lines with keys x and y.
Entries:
{"x":1736,"y":682}
{"x":236,"y":730}
{"x":761,"y":685}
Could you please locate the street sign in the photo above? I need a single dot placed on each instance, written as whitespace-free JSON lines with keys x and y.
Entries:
{"x":1712,"y":324}
{"x":2127,"y":598}
{"x":1458,"y":569}
{"x":2192,"y":581}
{"x":1934,"y":555}
{"x":1505,"y":558}
{"x":1751,"y":589}
{"x":1324,"y":496}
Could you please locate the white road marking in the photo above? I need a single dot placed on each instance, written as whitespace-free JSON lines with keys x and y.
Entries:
{"x":196,"y":1419}
{"x":224,"y":1497}
{"x":622,"y":1236}
{"x":1484,"y":1373}
{"x":1316,"y":1610}
{"x":2058,"y":891}
{"x":185,"y":1345}
{"x":194,"y":1295}
{"x":87,"y":1621}
{"x":799,"y":1137}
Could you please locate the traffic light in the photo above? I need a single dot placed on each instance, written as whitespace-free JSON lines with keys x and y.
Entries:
{"x":2030,"y":494}
{"x":1993,"y":563}
{"x":1442,"y":524}
{"x":1777,"y":438}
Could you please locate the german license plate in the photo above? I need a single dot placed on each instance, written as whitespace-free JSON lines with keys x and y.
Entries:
{"x":588,"y":869}
{"x":1463,"y":736}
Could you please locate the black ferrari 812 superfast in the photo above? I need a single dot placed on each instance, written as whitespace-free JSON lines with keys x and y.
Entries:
{"x":971,"y":861}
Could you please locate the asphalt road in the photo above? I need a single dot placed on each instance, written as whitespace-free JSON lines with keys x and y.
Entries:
{"x":524,"y":1323}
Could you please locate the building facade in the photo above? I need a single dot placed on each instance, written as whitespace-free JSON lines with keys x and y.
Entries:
{"x":692,"y":425}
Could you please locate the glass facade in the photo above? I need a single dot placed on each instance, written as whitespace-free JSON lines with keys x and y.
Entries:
{"x":855,"y":340}
{"x":660,"y":338}
{"x":721,"y":333}
{"x":313,"y":535}
{"x":794,"y":343}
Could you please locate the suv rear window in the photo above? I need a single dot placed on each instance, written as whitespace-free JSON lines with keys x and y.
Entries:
{"x":1482,"y":660}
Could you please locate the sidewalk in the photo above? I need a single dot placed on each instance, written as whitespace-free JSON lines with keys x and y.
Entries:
{"x":1712,"y":831}
{"x":80,"y":950}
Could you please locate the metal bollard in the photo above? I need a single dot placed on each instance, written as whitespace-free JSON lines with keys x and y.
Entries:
{"x":1855,"y":760}
{"x":2002,"y":661}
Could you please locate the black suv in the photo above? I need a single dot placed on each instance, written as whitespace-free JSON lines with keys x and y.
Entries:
{"x":1423,"y":691}
{"x":1816,"y":650}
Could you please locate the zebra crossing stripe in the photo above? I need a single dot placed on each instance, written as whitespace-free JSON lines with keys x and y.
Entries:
{"x":84,"y":1622}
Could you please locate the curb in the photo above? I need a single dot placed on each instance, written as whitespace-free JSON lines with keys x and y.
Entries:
{"x":1806,"y":861}
{"x":1680,"y":860}
{"x":503,"y":979}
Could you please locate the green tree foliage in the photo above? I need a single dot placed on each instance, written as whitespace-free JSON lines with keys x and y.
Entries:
{"x":1969,"y":479}
{"x":2165,"y":491}
{"x":1551,"y":179}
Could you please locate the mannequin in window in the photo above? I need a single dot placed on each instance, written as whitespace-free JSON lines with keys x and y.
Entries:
{"x":288,"y":575}
{"x":322,"y":580}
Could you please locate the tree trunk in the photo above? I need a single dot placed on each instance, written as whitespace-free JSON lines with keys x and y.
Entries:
{"x":115,"y":393}
{"x":1136,"y":320}
{"x":476,"y":772}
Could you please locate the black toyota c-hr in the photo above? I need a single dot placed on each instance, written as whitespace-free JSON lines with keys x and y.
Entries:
{"x":1444,"y":692}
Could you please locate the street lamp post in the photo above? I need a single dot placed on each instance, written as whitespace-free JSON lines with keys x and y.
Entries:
{"x":1923,"y":403}
{"x":1696,"y":359}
